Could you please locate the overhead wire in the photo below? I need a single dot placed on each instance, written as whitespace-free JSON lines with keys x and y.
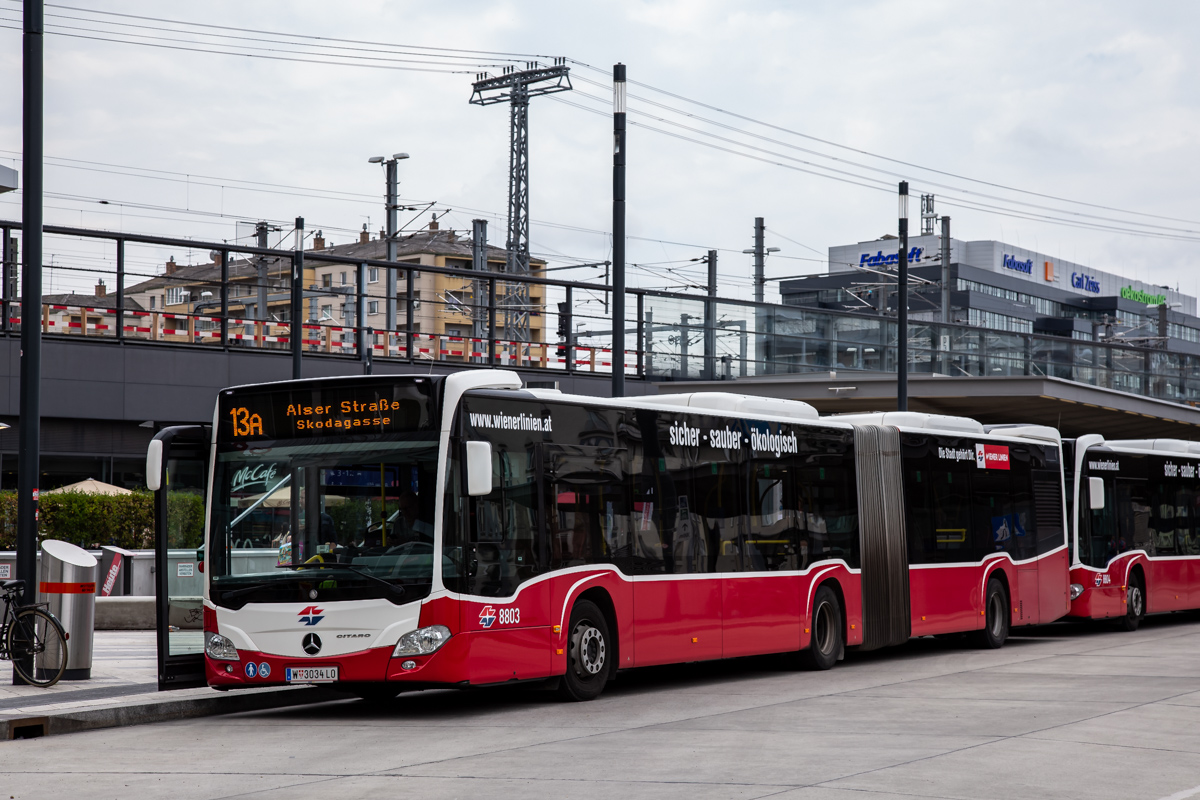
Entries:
{"x":879,"y":156}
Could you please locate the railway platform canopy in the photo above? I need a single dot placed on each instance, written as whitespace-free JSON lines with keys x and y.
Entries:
{"x":1073,"y":408}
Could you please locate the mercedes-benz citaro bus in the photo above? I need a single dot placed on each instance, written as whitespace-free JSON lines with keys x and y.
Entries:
{"x":1136,"y":531}
{"x":401,"y":532}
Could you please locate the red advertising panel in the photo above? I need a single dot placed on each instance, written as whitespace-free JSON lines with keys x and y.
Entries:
{"x":991,"y":456}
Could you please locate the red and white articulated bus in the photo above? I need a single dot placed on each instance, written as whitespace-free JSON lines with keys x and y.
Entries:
{"x":406,"y":532}
{"x":1136,"y":527}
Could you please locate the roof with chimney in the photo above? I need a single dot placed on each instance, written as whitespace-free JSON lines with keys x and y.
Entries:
{"x":89,"y":301}
{"x":435,"y":242}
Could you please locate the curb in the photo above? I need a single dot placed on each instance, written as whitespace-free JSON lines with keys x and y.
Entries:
{"x":87,"y":719}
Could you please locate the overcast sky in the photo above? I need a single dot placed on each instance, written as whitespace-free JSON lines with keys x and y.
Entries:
{"x":1088,"y":101}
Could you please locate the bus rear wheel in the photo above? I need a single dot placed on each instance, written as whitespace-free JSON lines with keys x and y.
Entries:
{"x":589,"y":654}
{"x":1135,"y":604}
{"x":826,"y":645}
{"x":995,"y":618}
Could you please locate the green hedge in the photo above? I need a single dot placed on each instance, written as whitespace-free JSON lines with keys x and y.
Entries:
{"x":92,"y":520}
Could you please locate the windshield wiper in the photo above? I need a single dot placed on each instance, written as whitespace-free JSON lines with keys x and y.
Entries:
{"x":395,"y":589}
{"x":245,"y":590}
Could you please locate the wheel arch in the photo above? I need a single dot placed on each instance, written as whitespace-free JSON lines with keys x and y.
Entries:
{"x":1000,"y":574}
{"x":604,"y":602}
{"x":836,"y":587}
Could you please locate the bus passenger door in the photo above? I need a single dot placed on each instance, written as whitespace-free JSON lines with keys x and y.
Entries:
{"x":177,"y":473}
{"x":677,"y":609}
{"x":505,"y":612}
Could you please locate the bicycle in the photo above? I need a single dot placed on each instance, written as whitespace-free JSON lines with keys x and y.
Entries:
{"x":31,"y":638}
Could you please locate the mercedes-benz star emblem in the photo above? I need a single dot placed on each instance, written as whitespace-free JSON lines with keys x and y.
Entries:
{"x":312,"y":644}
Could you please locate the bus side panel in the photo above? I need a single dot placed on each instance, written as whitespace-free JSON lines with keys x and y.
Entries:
{"x":565,"y":589}
{"x":1103,"y":599}
{"x":440,"y":611}
{"x":1166,"y":584}
{"x":1026,"y":594}
{"x":676,"y":620}
{"x":509,"y":639}
{"x":509,"y":655}
{"x":946,"y":599}
{"x":762,"y":613}
{"x":1054,"y":596}
{"x":852,"y":589}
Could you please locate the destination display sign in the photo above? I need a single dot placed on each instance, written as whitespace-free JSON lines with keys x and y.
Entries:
{"x":327,"y":410}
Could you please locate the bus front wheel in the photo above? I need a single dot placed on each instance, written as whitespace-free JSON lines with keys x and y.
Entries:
{"x":1135,"y":603}
{"x":589,"y":653}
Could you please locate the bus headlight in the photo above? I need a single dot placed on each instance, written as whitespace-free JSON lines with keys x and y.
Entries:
{"x":219,"y":648}
{"x":422,"y":641}
{"x":1076,"y":590}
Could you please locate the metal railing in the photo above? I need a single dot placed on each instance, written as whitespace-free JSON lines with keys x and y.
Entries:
{"x":675,"y":336}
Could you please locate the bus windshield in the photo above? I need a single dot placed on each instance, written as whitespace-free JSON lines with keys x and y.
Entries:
{"x":294,"y":521}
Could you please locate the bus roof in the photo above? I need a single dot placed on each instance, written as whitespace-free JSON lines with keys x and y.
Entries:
{"x":1161,"y":445}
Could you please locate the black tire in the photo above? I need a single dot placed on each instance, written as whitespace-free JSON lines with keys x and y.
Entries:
{"x":589,"y":654}
{"x":996,"y":617}
{"x":1135,"y":603}
{"x":37,"y":636}
{"x":827,"y":644}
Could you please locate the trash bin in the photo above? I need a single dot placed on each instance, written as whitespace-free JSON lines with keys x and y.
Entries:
{"x":116,"y":571}
{"x":67,"y":581}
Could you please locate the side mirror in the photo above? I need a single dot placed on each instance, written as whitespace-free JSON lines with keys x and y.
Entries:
{"x":154,"y":465}
{"x":1096,"y":493}
{"x":479,"y":468}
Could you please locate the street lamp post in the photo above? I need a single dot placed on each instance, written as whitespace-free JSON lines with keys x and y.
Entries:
{"x":391,"y":206}
{"x":618,"y":233}
{"x":902,"y":306}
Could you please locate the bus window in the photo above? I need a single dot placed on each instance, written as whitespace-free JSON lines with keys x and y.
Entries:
{"x":1163,"y":519}
{"x":996,"y":526}
{"x":1133,"y":517}
{"x":720,"y":514}
{"x":503,"y":543}
{"x":1098,"y":539}
{"x":586,"y":515}
{"x":1192,"y":538}
{"x":940,"y":520}
{"x":776,"y":538}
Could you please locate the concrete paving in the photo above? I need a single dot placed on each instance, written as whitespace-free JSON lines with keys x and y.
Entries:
{"x":123,"y":690}
{"x":1069,"y":711}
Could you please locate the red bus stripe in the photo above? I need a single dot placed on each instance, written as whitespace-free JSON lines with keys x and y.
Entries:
{"x":46,"y":587}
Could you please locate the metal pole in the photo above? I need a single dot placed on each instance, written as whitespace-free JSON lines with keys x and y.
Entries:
{"x":390,"y":244}
{"x":760,"y":262}
{"x":902,"y":306}
{"x":262,"y":232}
{"x":478,"y":264}
{"x":641,"y":336}
{"x":409,"y":310}
{"x":945,"y":269}
{"x":5,"y":266}
{"x":360,"y":314}
{"x":570,"y":328}
{"x":710,"y":319}
{"x":618,"y":311}
{"x":298,"y":302}
{"x":120,"y":289}
{"x":491,"y":337}
{"x":225,"y":299}
{"x":28,"y":435}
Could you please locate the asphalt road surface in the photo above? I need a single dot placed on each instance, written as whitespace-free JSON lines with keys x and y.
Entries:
{"x":1070,"y":711}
